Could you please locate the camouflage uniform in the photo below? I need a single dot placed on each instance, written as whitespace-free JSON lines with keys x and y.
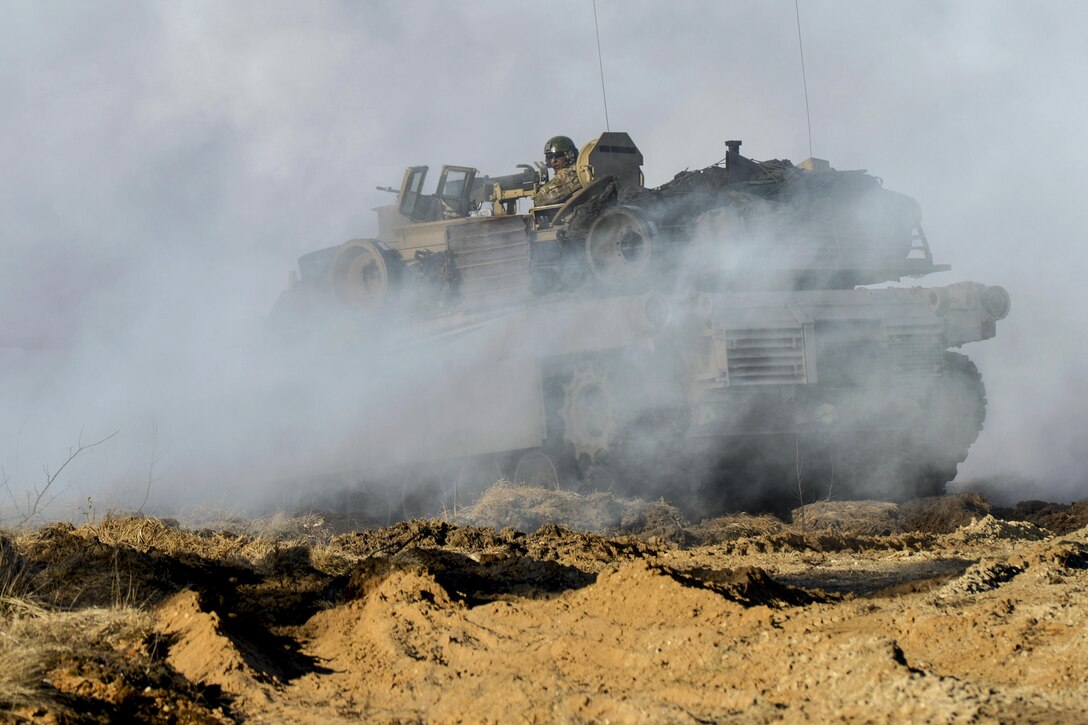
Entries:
{"x":559,"y":189}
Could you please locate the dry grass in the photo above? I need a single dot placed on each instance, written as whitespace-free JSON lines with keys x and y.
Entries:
{"x":76,"y":628}
{"x":34,"y":642}
{"x":146,"y":534}
{"x":14,"y":582}
{"x":75,"y":604}
{"x":870,"y":518}
{"x":244,"y":543}
{"x":137,"y":560}
{"x":35,"y":637}
{"x":736,"y":526}
{"x":527,"y":508}
{"x":943,"y":514}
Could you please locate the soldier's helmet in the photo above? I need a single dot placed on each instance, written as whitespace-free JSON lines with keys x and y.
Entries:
{"x":560,"y":146}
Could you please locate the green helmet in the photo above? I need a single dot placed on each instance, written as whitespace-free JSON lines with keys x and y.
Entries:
{"x":560,"y":146}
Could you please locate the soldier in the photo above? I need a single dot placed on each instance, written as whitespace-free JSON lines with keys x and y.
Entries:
{"x":560,"y":153}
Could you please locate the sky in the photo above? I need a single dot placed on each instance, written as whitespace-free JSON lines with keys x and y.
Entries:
{"x":164,"y":164}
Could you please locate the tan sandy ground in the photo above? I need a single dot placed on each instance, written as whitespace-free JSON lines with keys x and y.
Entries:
{"x":934,"y":611}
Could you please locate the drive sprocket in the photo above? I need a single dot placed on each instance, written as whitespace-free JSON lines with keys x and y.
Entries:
{"x":588,"y":411}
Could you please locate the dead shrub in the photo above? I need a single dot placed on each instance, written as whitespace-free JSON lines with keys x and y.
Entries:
{"x":943,"y":514}
{"x":735,"y":526}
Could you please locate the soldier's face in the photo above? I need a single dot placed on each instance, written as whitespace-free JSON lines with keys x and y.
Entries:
{"x":559,"y":161}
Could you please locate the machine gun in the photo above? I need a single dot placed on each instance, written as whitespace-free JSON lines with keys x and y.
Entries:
{"x":504,"y":191}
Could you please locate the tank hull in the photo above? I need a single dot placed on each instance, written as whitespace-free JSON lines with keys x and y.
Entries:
{"x":715,"y":400}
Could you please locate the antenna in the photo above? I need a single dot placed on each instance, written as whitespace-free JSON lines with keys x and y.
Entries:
{"x":600,"y":62}
{"x":804,"y":79}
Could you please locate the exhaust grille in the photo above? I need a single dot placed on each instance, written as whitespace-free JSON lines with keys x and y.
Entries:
{"x":765,"y":356}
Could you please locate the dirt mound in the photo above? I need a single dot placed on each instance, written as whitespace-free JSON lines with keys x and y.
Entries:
{"x":1048,"y":560}
{"x":984,"y":576}
{"x":942,"y":514}
{"x":858,"y":517}
{"x":425,"y":533}
{"x":588,"y":551}
{"x":735,"y":526}
{"x":247,"y":550}
{"x":201,"y":650}
{"x":94,"y":665}
{"x":747,"y":585}
{"x":74,"y":567}
{"x":1059,"y":518}
{"x":825,"y":541}
{"x":549,"y":542}
{"x":527,"y":508}
{"x":83,"y":566}
{"x":658,"y":523}
{"x":551,"y":561}
{"x":1065,"y":555}
{"x":640,"y":593}
{"x":736,"y":619}
{"x":988,"y":530}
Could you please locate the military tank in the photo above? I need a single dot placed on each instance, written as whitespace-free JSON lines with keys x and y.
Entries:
{"x":716,"y":340}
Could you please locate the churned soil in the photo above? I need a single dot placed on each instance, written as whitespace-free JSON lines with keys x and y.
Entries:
{"x":938,"y":610}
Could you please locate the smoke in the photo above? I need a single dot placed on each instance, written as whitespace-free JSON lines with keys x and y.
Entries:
{"x":164,"y":166}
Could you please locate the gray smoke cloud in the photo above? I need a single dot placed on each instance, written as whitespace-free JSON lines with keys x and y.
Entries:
{"x":166,"y":164}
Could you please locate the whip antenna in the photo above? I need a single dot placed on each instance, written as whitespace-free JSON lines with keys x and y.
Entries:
{"x":804,"y":80}
{"x":601,"y":64}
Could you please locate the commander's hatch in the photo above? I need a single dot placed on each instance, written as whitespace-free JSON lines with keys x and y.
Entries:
{"x":451,"y":199}
{"x":613,"y":153}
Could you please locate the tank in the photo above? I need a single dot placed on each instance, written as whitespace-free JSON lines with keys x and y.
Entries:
{"x":722,"y":340}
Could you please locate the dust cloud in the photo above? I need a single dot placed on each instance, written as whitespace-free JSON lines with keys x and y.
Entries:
{"x":166,"y":165}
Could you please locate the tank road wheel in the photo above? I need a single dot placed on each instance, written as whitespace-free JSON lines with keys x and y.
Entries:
{"x":362,"y":273}
{"x":588,"y":412}
{"x":536,"y":468}
{"x":619,"y":248}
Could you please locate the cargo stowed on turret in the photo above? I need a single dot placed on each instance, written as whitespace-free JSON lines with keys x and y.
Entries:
{"x":708,"y":340}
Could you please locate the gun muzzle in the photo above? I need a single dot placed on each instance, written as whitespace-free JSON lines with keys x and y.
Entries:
{"x":996,"y":302}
